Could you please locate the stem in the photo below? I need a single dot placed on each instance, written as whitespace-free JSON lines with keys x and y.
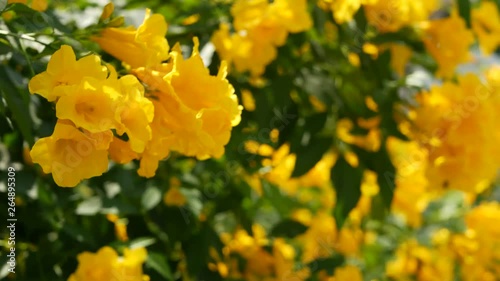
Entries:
{"x":22,"y":36}
{"x":26,"y":56}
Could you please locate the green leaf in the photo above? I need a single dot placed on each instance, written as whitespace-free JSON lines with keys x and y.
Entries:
{"x":89,"y":207}
{"x":151,"y":198}
{"x":142,"y":242}
{"x":288,"y":228}
{"x":307,"y":157}
{"x":17,"y":105}
{"x":159,"y":263}
{"x":197,"y":249}
{"x":464,"y":8}
{"x":347,"y":183}
{"x":3,"y":4}
{"x":327,"y":264}
{"x":281,"y":202}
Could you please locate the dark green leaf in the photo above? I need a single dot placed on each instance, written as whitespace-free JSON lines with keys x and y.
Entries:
{"x":308,"y":156}
{"x":288,"y":228}
{"x":327,"y":264}
{"x":464,"y":8}
{"x":347,"y":183}
{"x":16,"y":104}
{"x":159,"y":263}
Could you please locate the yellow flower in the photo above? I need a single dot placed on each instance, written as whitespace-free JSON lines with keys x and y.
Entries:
{"x":456,"y":123}
{"x":107,"y":11}
{"x":411,"y":195}
{"x":157,"y":148}
{"x":71,"y":155}
{"x":261,"y":27}
{"x":63,"y":71}
{"x":187,"y":118}
{"x":390,"y":16}
{"x":348,"y":273}
{"x":242,"y":51}
{"x":400,"y":55}
{"x":292,"y":14}
{"x":106,"y":265}
{"x":144,"y":46}
{"x":370,"y":142}
{"x":319,"y":241}
{"x":448,"y":41}
{"x":135,"y":113}
{"x":121,"y":152}
{"x":486,"y":26}
{"x":174,"y":197}
{"x":203,"y":120}
{"x":90,"y":105}
{"x":343,"y":10}
{"x":247,"y":100}
{"x":39,"y":5}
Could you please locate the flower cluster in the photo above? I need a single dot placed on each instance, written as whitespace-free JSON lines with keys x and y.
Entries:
{"x":90,"y":102}
{"x":260,"y":27}
{"x":455,"y":122}
{"x":101,"y":114}
{"x":386,"y":16}
{"x":194,"y":119}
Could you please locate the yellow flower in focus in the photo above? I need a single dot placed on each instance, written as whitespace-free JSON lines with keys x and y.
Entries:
{"x":141,"y":47}
{"x":448,"y":41}
{"x":485,"y":22}
{"x":106,"y":265}
{"x":121,"y":152}
{"x":64,"y":71}
{"x":71,"y":155}
{"x":90,"y":105}
{"x":135,"y":113}
{"x":203,"y":120}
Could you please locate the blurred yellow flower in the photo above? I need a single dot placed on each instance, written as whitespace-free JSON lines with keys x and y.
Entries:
{"x":448,"y":41}
{"x":174,"y":197}
{"x":106,"y":265}
{"x":455,"y":123}
{"x":485,"y":21}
